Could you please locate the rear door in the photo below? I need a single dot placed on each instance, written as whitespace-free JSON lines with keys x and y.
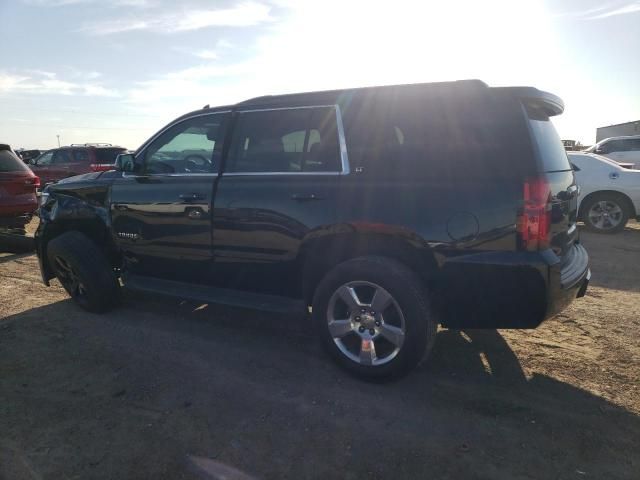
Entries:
{"x":161,"y":216}
{"x":278,"y":189}
{"x":556,"y":169}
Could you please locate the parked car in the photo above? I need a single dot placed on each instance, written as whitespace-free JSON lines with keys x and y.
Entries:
{"x":620,"y":149}
{"x":76,"y":159}
{"x":27,"y":156}
{"x":387,"y":210}
{"x":610,"y":194}
{"x":18,"y":185}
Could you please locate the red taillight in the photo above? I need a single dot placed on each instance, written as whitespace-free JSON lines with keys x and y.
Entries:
{"x":32,"y":182}
{"x":102,"y":167}
{"x":534,"y":222}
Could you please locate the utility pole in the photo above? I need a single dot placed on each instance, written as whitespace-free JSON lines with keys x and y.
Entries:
{"x":58,"y":140}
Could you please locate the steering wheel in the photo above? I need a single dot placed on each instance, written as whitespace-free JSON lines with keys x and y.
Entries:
{"x":197,"y":162}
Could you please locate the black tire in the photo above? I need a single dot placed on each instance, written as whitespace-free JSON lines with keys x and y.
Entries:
{"x":409,"y":296}
{"x":84,"y":272}
{"x":611,"y":199}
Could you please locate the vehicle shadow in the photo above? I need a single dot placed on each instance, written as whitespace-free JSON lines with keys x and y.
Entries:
{"x":255,"y":391}
{"x":614,"y":258}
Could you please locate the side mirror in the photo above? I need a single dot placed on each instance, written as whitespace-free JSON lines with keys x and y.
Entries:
{"x":126,"y":162}
{"x":601,"y":149}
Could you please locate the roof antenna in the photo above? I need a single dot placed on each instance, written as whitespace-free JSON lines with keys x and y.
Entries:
{"x":206,"y":106}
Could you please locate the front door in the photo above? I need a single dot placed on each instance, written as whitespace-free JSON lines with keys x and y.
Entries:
{"x":278,"y":190}
{"x":162,"y":214}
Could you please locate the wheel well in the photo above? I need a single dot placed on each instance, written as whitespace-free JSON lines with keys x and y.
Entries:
{"x":321,"y":255}
{"x":624,"y":197}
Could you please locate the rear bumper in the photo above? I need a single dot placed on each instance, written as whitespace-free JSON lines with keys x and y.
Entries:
{"x":511,"y":289}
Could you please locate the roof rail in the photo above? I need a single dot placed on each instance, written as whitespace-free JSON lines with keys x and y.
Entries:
{"x":91,"y":145}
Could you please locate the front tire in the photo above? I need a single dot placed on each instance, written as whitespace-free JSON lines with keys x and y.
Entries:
{"x":84,"y":272}
{"x":374,"y":318}
{"x":605,"y":213}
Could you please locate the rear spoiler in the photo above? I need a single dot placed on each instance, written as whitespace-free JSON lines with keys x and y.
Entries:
{"x":550,"y":103}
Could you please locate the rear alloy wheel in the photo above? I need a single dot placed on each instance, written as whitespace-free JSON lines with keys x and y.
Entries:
{"x":605,"y":214}
{"x":373,"y":316}
{"x":366,"y":323}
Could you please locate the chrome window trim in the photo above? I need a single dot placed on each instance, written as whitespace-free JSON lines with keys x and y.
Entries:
{"x":344,"y":157}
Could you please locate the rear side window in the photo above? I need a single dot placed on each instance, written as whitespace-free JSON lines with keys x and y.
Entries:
{"x":9,"y":162}
{"x":107,"y":155}
{"x":81,"y":156}
{"x":550,"y":150}
{"x":285,"y":141}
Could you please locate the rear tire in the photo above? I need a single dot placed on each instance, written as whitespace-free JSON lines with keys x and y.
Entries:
{"x":84,"y":272}
{"x":373,"y":316}
{"x":605,"y":213}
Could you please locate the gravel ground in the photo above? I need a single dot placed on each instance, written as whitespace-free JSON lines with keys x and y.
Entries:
{"x":134,"y":393}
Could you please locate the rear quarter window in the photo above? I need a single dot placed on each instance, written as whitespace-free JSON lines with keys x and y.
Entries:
{"x":440,"y":136}
{"x":549,"y":148}
{"x":9,"y":162}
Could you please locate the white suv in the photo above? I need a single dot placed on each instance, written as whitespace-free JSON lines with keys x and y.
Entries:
{"x":619,"y":149}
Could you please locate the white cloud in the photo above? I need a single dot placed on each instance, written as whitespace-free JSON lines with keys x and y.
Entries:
{"x":245,"y":14}
{"x":626,"y":9}
{"x":37,"y":82}
{"x":206,"y":54}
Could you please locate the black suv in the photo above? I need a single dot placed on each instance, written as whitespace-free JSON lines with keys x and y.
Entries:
{"x":384,"y":211}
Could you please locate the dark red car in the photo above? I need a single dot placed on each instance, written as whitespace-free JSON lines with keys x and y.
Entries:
{"x":18,"y":186}
{"x":76,"y":159}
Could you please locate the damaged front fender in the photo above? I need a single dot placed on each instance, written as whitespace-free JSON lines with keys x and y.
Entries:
{"x":63,"y":209}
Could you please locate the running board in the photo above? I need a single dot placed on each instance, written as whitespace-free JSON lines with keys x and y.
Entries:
{"x":208,"y":294}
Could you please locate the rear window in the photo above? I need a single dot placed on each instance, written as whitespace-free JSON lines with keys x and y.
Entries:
{"x":549,"y":147}
{"x":108,"y":155}
{"x":9,"y":162}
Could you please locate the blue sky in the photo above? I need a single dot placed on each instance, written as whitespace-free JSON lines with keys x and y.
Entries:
{"x":117,"y":70}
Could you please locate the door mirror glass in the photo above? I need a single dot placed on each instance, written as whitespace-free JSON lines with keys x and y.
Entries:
{"x":125,"y":162}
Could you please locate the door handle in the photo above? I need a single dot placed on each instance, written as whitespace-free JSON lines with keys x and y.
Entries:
{"x":305,"y":197}
{"x":190,"y":197}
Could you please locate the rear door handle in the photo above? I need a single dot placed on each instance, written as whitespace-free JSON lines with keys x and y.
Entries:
{"x":190,"y":197}
{"x":304,"y":197}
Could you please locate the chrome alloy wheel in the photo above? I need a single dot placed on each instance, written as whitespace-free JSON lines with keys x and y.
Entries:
{"x":366,"y":323}
{"x":605,"y":215}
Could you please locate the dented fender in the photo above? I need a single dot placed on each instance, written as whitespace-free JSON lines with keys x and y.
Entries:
{"x":81,"y":205}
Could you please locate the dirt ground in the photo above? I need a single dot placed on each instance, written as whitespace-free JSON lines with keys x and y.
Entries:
{"x":134,"y":393}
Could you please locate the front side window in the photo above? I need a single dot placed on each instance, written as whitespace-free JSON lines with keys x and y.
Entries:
{"x":612,"y":146}
{"x":191,"y":146}
{"x":285,"y":141}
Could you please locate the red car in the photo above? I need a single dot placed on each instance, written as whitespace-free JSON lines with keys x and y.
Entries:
{"x":76,"y":159}
{"x":18,"y":186}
